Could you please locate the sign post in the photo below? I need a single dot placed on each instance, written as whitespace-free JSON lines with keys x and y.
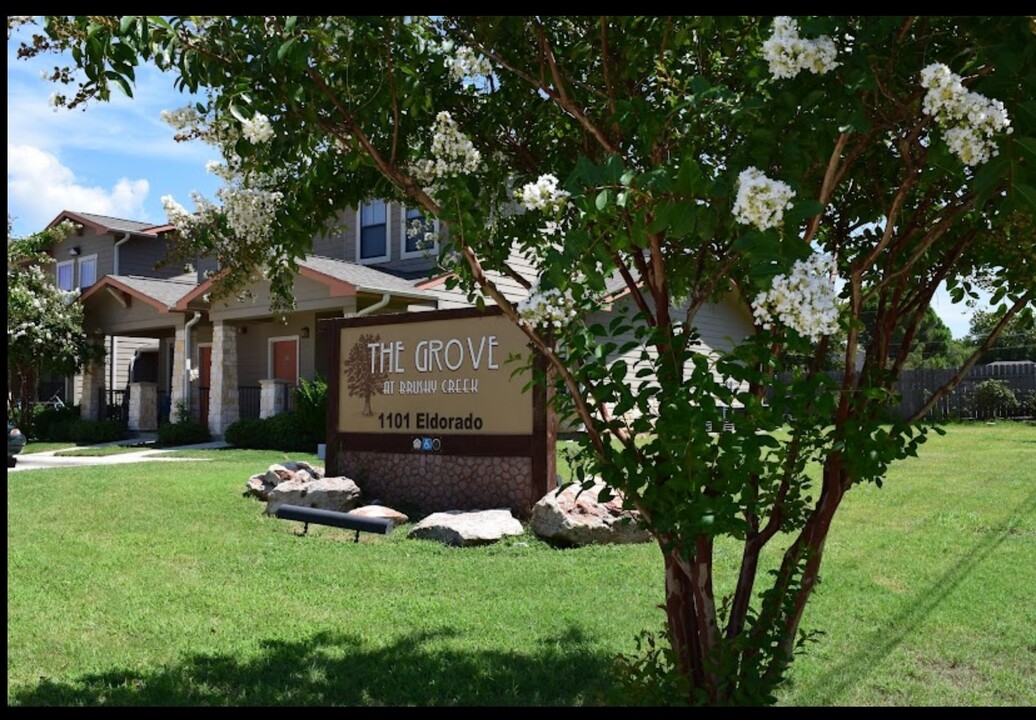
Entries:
{"x":426,"y":410}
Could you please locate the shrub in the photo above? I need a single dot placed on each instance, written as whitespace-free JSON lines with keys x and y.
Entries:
{"x":186,"y":432}
{"x":88,"y":432}
{"x":311,"y":406}
{"x":288,"y":432}
{"x":52,"y":424}
{"x":1030,"y":403}
{"x":994,"y":397}
{"x":248,"y":433}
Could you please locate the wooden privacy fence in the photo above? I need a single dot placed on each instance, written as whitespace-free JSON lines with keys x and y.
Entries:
{"x":966,"y":401}
{"x":917,"y":386}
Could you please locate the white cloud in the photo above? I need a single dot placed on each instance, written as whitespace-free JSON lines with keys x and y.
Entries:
{"x":41,"y":187}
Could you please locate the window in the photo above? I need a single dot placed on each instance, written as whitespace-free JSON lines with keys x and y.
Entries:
{"x":87,"y":271}
{"x":420,"y":236}
{"x":65,"y":271}
{"x":372,"y":232}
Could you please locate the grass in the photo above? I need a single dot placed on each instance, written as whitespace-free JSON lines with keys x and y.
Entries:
{"x":102,"y":450}
{"x":158,"y":583}
{"x":37,"y":447}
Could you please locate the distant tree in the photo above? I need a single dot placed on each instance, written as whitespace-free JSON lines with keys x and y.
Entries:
{"x":361,"y":376}
{"x":1016,"y":342}
{"x":932,"y":346}
{"x":44,"y":323}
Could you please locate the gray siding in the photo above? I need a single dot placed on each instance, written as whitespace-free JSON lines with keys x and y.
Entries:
{"x":720,"y":326}
{"x":89,"y":243}
{"x":107,"y":315}
{"x":126,"y":347}
{"x":309,"y":295}
{"x":140,"y":255}
{"x":341,"y":244}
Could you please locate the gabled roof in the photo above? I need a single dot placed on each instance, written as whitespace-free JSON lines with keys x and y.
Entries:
{"x":362,"y":277}
{"x":161,"y":294}
{"x":343,"y":279}
{"x":106,"y":223}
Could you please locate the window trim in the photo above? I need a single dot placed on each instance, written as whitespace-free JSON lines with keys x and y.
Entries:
{"x":405,"y":254}
{"x":72,"y":277}
{"x":388,"y":235}
{"x":79,"y":270}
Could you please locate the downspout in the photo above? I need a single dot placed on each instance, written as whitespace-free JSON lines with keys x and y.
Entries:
{"x":115,"y":260}
{"x":385,"y":298}
{"x":187,"y":361}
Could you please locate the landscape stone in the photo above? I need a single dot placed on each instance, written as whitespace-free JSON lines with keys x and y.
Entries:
{"x":466,"y":528}
{"x":330,"y":493}
{"x":584,"y":520}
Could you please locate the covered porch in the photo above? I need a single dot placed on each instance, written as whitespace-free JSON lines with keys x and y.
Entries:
{"x":241,"y":360}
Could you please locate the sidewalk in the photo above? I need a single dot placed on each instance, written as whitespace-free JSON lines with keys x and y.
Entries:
{"x":52,"y":458}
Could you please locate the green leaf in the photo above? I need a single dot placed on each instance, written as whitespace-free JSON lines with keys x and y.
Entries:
{"x":1028,"y":146}
{"x":987,"y":178}
{"x":120,"y":81}
{"x":285,"y":48}
{"x":1028,"y":193}
{"x":602,"y":199}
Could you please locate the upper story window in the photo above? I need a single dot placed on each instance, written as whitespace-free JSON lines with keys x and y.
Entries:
{"x":420,"y":235}
{"x":372,"y":232}
{"x":66,"y":275}
{"x":87,"y":271}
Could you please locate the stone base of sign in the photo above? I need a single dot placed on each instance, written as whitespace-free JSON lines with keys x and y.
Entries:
{"x":434,"y":483}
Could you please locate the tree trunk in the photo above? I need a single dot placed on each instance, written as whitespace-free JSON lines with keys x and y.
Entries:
{"x":692,"y":623}
{"x":681,"y":620}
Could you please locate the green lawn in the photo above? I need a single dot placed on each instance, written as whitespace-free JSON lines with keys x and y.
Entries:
{"x":37,"y":447}
{"x":102,"y":450}
{"x":158,"y":583}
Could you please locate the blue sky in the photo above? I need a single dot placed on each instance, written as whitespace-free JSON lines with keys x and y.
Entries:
{"x":119,"y":158}
{"x":116,"y":158}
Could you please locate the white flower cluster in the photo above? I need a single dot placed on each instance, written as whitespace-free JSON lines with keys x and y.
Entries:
{"x":806,"y":299}
{"x":178,"y":215}
{"x":550,"y":309}
{"x":761,"y":201}
{"x":452,"y":152}
{"x":543,"y":195}
{"x":465,"y":63}
{"x":424,"y":232}
{"x":250,"y":211}
{"x":789,"y":54}
{"x":185,"y":118}
{"x":968,"y":119}
{"x":258,"y":130}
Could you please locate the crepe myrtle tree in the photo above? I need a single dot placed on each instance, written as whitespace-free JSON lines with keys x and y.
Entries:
{"x":44,"y":323}
{"x":811,"y":166}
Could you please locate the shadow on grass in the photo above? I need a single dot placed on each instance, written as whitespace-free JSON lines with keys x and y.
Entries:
{"x":855,"y":667}
{"x":329,"y":668}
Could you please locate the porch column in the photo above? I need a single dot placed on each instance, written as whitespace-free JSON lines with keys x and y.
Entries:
{"x":223,"y":406}
{"x":272,"y":397}
{"x":176,"y":391}
{"x":93,"y":385}
{"x":143,"y":406}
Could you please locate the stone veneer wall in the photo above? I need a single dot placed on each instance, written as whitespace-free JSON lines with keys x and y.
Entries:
{"x":433,"y":483}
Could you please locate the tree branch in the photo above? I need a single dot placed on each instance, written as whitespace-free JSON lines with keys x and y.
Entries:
{"x":827,"y":188}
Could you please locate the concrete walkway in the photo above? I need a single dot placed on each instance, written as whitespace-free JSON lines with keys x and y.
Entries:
{"x":51,"y":459}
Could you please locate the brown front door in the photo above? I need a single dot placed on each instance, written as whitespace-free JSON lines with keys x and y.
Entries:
{"x":204,"y":380}
{"x":286,"y":360}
